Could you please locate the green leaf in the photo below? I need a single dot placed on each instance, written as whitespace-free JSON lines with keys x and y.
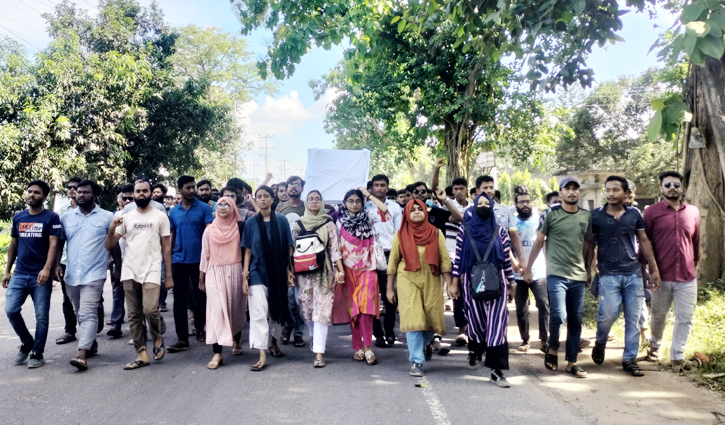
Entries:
{"x":712,"y":46}
{"x":401,"y":26}
{"x":395,"y":19}
{"x":677,"y":46}
{"x":715,"y":29}
{"x":615,"y":37}
{"x":466,"y":47}
{"x":691,"y":12}
{"x":697,"y":57}
{"x":698,"y":27}
{"x":655,"y":124}
{"x":689,"y":44}
{"x":657,"y":104}
{"x":579,"y":6}
{"x":718,"y":17}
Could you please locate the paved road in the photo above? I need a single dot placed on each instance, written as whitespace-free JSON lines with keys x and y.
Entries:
{"x":180,"y":389}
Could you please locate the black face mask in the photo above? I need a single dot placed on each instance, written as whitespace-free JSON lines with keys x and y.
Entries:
{"x":484,"y":212}
{"x":142,"y":203}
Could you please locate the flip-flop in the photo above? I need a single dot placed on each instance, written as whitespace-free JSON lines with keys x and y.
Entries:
{"x":214,"y":366}
{"x":161,"y":349}
{"x":598,"y":353}
{"x":237,"y":351}
{"x":136,"y":364}
{"x":576,"y":370}
{"x":65,"y":339}
{"x":79,"y":363}
{"x":551,"y":361}
{"x":276,"y":352}
{"x":256,"y":368}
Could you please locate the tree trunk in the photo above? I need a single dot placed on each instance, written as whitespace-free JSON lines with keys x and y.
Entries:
{"x":705,"y":168}
{"x":458,"y":149}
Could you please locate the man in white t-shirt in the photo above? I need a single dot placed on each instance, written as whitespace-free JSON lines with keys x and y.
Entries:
{"x":148,"y":239}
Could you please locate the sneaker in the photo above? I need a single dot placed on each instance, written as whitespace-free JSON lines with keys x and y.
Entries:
{"x":380,"y":343}
{"x":23,"y":353}
{"x":36,"y":361}
{"x":474,"y":362}
{"x":178,"y":346}
{"x":416,"y":369}
{"x":390,"y":339}
{"x":498,"y":379}
{"x":114,"y":333}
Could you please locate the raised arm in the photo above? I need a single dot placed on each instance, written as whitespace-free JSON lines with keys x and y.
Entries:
{"x":112,"y":237}
{"x":440,"y":162}
{"x":381,"y":206}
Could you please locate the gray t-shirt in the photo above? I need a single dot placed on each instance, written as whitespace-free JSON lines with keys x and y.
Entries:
{"x":285,"y":208}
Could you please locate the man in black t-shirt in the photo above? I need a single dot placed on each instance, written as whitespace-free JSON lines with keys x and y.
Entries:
{"x":34,"y":239}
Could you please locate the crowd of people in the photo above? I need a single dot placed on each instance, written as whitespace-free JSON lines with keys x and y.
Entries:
{"x":283,"y":263}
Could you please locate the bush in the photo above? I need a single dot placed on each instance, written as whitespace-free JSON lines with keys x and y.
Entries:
{"x":4,"y":242}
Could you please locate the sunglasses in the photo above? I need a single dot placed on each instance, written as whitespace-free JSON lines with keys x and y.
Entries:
{"x":675,"y":184}
{"x":127,"y":198}
{"x":72,"y":187}
{"x":419,"y":192}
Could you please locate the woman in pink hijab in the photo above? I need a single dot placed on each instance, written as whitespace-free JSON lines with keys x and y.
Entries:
{"x":220,"y":276}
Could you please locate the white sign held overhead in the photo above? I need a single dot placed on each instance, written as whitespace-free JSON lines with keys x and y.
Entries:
{"x":335,"y":171}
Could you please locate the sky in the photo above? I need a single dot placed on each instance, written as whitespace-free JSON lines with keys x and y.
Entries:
{"x":293,"y":120}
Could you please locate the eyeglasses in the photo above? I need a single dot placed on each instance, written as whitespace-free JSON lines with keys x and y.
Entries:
{"x":677,"y":185}
{"x":523,"y":203}
{"x":314,"y":200}
{"x":127,"y":198}
{"x":69,"y":188}
{"x":220,"y":206}
{"x":419,"y":192}
{"x":354,"y":202}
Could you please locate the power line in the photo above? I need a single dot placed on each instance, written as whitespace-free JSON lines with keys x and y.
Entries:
{"x":21,"y":1}
{"x":21,"y":38}
{"x":89,"y":4}
{"x":49,"y":5}
{"x":24,"y":11}
{"x":18,"y":23}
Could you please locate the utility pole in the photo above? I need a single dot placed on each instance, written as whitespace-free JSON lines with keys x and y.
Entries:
{"x":254,"y":170}
{"x":267,"y":147}
{"x":283,"y":169}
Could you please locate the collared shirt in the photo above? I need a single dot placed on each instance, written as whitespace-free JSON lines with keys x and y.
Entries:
{"x":617,"y":241}
{"x":189,"y":226}
{"x":452,"y":228}
{"x":503,"y":216}
{"x":85,"y":236}
{"x":675,"y":237}
{"x":386,"y":228}
{"x":64,"y":209}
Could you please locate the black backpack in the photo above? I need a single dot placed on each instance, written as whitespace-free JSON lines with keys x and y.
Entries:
{"x":485,"y":283}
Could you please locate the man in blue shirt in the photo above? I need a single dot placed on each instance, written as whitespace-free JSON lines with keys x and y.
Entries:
{"x":85,"y":228}
{"x":616,"y":228}
{"x":188,"y":220}
{"x":34,"y":242}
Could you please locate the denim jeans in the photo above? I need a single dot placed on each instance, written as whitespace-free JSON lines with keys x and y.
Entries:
{"x":616,"y":291}
{"x":566,"y":299}
{"x":297,"y":322}
{"x":20,"y":286}
{"x":684,"y":295}
{"x":85,"y":299}
{"x":417,"y":341}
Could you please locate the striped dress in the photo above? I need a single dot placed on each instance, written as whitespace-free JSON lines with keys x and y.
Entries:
{"x":487,"y":320}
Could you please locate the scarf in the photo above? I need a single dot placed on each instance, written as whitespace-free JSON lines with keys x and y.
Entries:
{"x":276,"y":258}
{"x":224,"y":237}
{"x":412,"y":235}
{"x":311,"y":220}
{"x":358,"y":226}
{"x":482,"y":232}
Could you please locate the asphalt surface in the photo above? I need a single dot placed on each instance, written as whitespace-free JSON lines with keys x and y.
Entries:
{"x":180,"y":389}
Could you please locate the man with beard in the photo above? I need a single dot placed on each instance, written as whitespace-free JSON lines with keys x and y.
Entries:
{"x":203,"y":192}
{"x":242,"y":189}
{"x":674,"y":229}
{"x":118,"y":312}
{"x":188,"y":221}
{"x":567,"y":230}
{"x":229,"y":192}
{"x":295,"y":186}
{"x":526,"y":223}
{"x":400,"y":198}
{"x":159,"y":195}
{"x":85,"y":229}
{"x":617,"y":228}
{"x":33,"y":243}
{"x":147,"y":236}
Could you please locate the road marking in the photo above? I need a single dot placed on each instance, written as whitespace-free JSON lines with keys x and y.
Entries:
{"x":435,"y":405}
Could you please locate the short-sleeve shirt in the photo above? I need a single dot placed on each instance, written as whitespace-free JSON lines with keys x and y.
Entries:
{"x":143,"y":232}
{"x":85,"y":237}
{"x":251,"y":240}
{"x":439,"y":216}
{"x":527,"y":232}
{"x":565,"y":235}
{"x":451,"y":229}
{"x":132,"y":207}
{"x":33,"y":233}
{"x":617,"y":241}
{"x":504,"y":217}
{"x":189,"y":226}
{"x":285,"y":208}
{"x":64,"y":257}
{"x":386,"y":228}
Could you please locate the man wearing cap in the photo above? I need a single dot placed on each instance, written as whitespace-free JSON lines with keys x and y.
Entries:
{"x":567,"y":230}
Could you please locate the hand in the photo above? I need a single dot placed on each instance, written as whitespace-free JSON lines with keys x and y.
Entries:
{"x":588,"y":283}
{"x":246,"y":275}
{"x":43,"y":276}
{"x":290,"y":279}
{"x":116,"y":222}
{"x":522,"y":269}
{"x":169,"y":281}
{"x":453,"y":291}
{"x":269,"y":176}
{"x":211,"y":204}
{"x":528,"y":278}
{"x":6,"y":279}
{"x":655,"y":279}
{"x":392,"y":298}
{"x":364,"y":191}
{"x":340,"y":277}
{"x":202,"y":285}
{"x":245,"y":286}
{"x":441,"y":195}
{"x":58,"y":273}
{"x":250,"y":199}
{"x":440,"y":162}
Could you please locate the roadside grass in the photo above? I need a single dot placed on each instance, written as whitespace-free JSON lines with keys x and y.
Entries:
{"x":707,"y":335}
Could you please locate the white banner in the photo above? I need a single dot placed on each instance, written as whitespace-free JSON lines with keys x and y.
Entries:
{"x":335,"y":171}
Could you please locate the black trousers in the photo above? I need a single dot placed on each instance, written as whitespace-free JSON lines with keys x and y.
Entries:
{"x":541,"y":296}
{"x":497,"y":358}
{"x":386,"y":328}
{"x":458,"y":316}
{"x":183,"y":274}
{"x":218,"y":348}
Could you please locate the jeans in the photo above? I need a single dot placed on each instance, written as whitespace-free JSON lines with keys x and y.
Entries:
{"x":566,"y":298}
{"x":684,"y":295}
{"x":417,"y":341}
{"x":143,"y":303}
{"x":616,"y":291}
{"x":183,"y":274}
{"x":163,"y":294}
{"x":85,"y":299}
{"x":68,"y":313}
{"x":297,"y":322}
{"x":19,"y":287}
{"x":541,"y":296}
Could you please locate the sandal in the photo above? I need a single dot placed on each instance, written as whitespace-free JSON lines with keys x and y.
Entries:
{"x":257,"y":367}
{"x":65,"y":339}
{"x":160,"y":349}
{"x":524,"y":347}
{"x":370,"y":358}
{"x":274,"y":351}
{"x":79,"y":363}
{"x":237,"y":351}
{"x":136,"y":364}
{"x":632,"y":368}
{"x":577,"y":372}
{"x":215,"y":365}
{"x":359,"y":355}
{"x":551,"y":361}
{"x":299,"y":342}
{"x":598,"y":353}
{"x":318,"y":363}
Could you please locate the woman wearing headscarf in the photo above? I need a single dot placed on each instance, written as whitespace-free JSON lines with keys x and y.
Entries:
{"x":357,"y":301}
{"x":268,"y":245}
{"x":418,"y":258}
{"x":486,"y":320}
{"x":220,"y":276}
{"x":315,"y":291}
